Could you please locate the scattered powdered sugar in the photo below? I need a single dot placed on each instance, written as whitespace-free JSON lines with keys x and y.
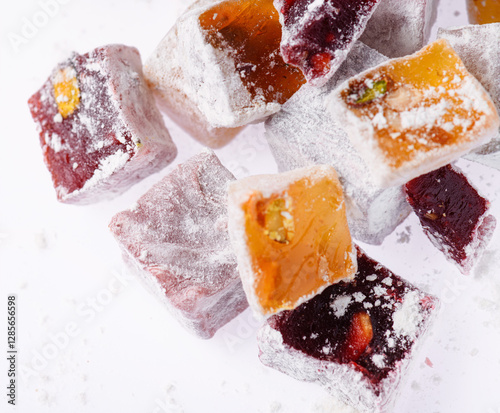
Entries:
{"x":340,"y":305}
{"x":379,"y":360}
{"x":408,"y":317}
{"x":107,"y":167}
{"x":359,"y":297}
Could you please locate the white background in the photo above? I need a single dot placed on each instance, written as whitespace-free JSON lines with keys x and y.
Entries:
{"x":90,"y":339}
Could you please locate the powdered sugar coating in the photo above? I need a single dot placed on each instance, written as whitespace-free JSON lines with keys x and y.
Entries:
{"x":458,"y":105}
{"x":114,"y":138}
{"x":177,"y":236}
{"x":400,"y":27}
{"x":479,"y":48}
{"x":304,"y":134}
{"x":305,"y":342}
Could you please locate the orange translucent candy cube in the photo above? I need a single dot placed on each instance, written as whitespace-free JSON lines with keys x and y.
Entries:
{"x":483,"y":11}
{"x":412,"y":115}
{"x":291,"y":236}
{"x":219,"y":68}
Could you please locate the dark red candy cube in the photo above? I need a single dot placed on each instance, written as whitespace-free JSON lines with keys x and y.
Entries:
{"x":176,"y":238}
{"x":100,"y":130}
{"x":318,"y":34}
{"x":356,"y":338}
{"x":453,"y":215}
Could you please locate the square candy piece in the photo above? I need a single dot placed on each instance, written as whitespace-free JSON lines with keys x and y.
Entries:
{"x":356,"y":339}
{"x":400,"y":27}
{"x":219,"y":68}
{"x":177,"y":239}
{"x":290,"y":235}
{"x":100,"y":130}
{"x":302,"y":134}
{"x":454,"y":216}
{"x":318,"y":34}
{"x":479,"y":48}
{"x":415,"y":114}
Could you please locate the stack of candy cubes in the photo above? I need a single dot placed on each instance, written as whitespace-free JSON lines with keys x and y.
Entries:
{"x":365,"y":119}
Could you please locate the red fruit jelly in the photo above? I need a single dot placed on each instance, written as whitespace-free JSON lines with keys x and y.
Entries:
{"x":100,"y":130}
{"x":453,"y":215}
{"x":356,"y":338}
{"x":176,"y":239}
{"x":318,"y":34}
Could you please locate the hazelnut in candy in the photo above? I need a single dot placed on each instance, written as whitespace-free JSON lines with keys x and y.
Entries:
{"x":100,"y":130}
{"x":318,"y":34}
{"x":290,"y":235}
{"x":454,"y":216}
{"x":400,"y":27}
{"x":479,"y":48}
{"x":302,"y":134}
{"x":356,"y":339}
{"x":219,"y":68}
{"x":414,"y":114}
{"x":176,"y":239}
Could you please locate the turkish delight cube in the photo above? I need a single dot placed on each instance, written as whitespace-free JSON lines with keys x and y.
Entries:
{"x":219,"y":68}
{"x":290,"y":235}
{"x":400,"y":27}
{"x":302,"y":134}
{"x":479,"y":48}
{"x":454,"y":216}
{"x":483,"y":11}
{"x":415,"y":114}
{"x":357,"y":339}
{"x":177,"y":240}
{"x":100,"y":130}
{"x":318,"y":34}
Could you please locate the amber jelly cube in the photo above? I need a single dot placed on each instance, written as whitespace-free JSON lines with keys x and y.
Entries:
{"x":220,"y":68}
{"x":411,"y":115}
{"x":291,"y":236}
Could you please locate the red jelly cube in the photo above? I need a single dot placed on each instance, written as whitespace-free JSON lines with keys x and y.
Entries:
{"x":176,"y":237}
{"x":100,"y":130}
{"x":454,"y":216}
{"x":318,"y":34}
{"x":355,"y":338}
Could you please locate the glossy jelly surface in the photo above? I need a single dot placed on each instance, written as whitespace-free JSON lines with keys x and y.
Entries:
{"x":451,"y":212}
{"x":316,"y":33}
{"x":483,"y":11}
{"x":250,"y":32}
{"x":298,"y":241}
{"x":359,"y":322}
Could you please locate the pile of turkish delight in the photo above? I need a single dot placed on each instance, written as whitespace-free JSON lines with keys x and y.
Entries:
{"x":365,"y":119}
